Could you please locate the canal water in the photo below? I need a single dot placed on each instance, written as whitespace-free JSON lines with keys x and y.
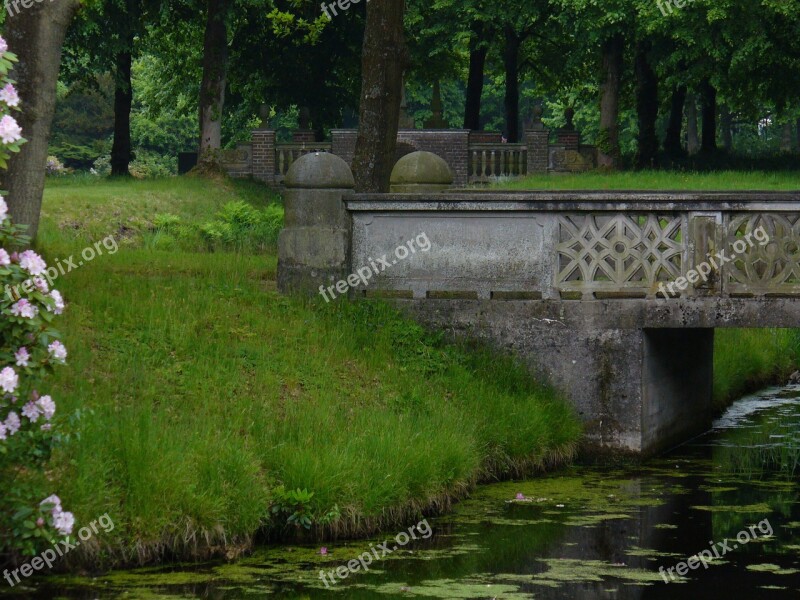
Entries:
{"x":731,"y":496}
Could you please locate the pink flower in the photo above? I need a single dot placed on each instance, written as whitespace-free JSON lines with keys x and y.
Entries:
{"x":40,"y":284}
{"x":58,"y":352}
{"x":40,"y":522}
{"x":3,"y":46}
{"x":31,"y":411}
{"x":12,"y":423}
{"x":8,"y":380}
{"x":63,"y":521}
{"x":46,"y":427}
{"x":323,"y":551}
{"x":5,"y":259}
{"x":2,"y":431}
{"x":32,"y":262}
{"x":520,"y":496}
{"x":47,"y":406}
{"x":54,"y":500}
{"x":24,"y":309}
{"x":3,"y":205}
{"x":22,"y":357}
{"x":10,"y":131}
{"x":9,"y":95}
{"x":58,"y":302}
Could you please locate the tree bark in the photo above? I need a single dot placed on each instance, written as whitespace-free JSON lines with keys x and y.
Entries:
{"x":212,"y":87}
{"x":123,"y":99}
{"x":692,"y":139}
{"x":477,"y":63}
{"x":646,"y":108}
{"x":726,"y":127}
{"x":511,"y":65}
{"x":383,"y":61}
{"x":672,"y":139}
{"x":708,"y":142}
{"x":608,"y":142}
{"x":36,"y":35}
{"x":786,"y":138}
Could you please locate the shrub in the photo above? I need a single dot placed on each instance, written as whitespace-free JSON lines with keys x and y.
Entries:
{"x":55,"y":167}
{"x":29,"y":350}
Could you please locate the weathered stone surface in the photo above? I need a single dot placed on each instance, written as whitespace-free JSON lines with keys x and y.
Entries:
{"x":321,"y":170}
{"x":421,"y":172}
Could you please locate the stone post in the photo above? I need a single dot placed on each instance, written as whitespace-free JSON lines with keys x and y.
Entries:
{"x":537,"y":138}
{"x":263,"y":158}
{"x":314,"y":246}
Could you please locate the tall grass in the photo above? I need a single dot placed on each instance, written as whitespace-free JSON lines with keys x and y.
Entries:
{"x":203,"y":393}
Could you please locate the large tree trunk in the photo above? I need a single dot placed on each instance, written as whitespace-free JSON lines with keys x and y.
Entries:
{"x":123,"y":98}
{"x":646,"y":108}
{"x":786,"y":138}
{"x":212,"y":87}
{"x":35,"y":34}
{"x":672,"y":139}
{"x":383,"y":62}
{"x":692,"y":139}
{"x":478,"y":50}
{"x":511,"y":65}
{"x":608,"y":142}
{"x":708,"y":142}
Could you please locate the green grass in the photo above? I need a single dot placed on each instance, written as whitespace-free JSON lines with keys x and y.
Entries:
{"x":659,"y":180}
{"x":748,"y":359}
{"x":201,"y":391}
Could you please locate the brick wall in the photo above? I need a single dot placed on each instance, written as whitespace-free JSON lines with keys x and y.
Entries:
{"x":538,"y":152}
{"x":343,"y":144}
{"x":263,"y":144}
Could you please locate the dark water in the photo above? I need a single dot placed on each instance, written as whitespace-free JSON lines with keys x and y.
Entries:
{"x":581,"y":533}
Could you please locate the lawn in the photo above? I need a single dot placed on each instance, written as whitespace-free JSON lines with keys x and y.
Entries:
{"x":660,"y":180}
{"x":202,"y":403}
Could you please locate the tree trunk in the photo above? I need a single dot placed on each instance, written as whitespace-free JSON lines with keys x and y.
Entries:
{"x":383,"y":61}
{"x":726,"y":125}
{"x":511,"y":64}
{"x":786,"y":138}
{"x":477,"y":63}
{"x":672,"y":139}
{"x":212,"y":87}
{"x":692,"y":140}
{"x":708,"y":142}
{"x":608,"y":142}
{"x":123,"y":98}
{"x":35,"y":35}
{"x":646,"y":108}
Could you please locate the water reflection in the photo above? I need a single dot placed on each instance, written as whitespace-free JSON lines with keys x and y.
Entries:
{"x":584,"y":533}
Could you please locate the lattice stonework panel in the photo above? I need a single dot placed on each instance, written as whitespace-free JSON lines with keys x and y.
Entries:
{"x":765,"y":248}
{"x":614,"y":252}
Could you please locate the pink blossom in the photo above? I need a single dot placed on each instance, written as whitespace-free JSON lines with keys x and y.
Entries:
{"x":40,"y":284}
{"x":5,"y":259}
{"x":12,"y":423}
{"x":54,"y":500}
{"x":47,"y":406}
{"x":58,"y":302}
{"x":323,"y":551}
{"x":24,"y":309}
{"x":3,"y":46}
{"x":32,"y":263}
{"x":3,"y":205}
{"x":2,"y":431}
{"x":31,"y":411}
{"x":10,"y":131}
{"x":9,"y":95}
{"x":8,"y":380}
{"x":22,"y":357}
{"x":46,"y":427}
{"x":63,"y":521}
{"x":58,"y":351}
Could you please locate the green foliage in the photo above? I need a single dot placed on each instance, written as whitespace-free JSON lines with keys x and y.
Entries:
{"x":293,"y":505}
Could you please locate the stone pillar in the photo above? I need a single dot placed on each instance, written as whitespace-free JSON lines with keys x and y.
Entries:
{"x":343,"y":144}
{"x":263,"y":159}
{"x":314,"y":246}
{"x":537,"y":138}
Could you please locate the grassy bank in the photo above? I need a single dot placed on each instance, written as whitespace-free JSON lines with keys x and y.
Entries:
{"x":207,"y":400}
{"x":746,"y":360}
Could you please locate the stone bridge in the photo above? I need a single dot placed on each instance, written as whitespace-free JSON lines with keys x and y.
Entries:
{"x":612,"y":297}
